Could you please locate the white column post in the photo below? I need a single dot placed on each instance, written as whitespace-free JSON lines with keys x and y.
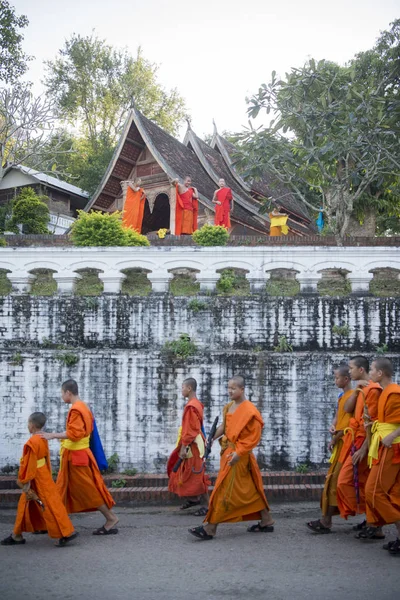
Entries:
{"x":112,"y":282}
{"x":359,"y":282}
{"x":258,"y":280}
{"x":66,"y":281}
{"x":160,"y":281}
{"x":21,"y":282}
{"x":208,"y":280}
{"x":308,"y":282}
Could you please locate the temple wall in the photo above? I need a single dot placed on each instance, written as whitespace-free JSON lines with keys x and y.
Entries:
{"x":133,"y":387}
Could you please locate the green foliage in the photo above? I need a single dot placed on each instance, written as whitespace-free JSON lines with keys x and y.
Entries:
{"x":341,"y":330}
{"x":211,"y":235}
{"x":104,"y":229}
{"x":181,"y":348}
{"x":44,"y":284}
{"x":13,"y":61}
{"x":282,"y":287}
{"x":385,"y":286}
{"x":5,"y":283}
{"x":17,"y":359}
{"x":334,"y":286}
{"x":130,"y":472}
{"x":118,"y":483}
{"x":3,"y":242}
{"x":302,"y":468}
{"x":31,"y":211}
{"x":5,"y":218}
{"x":89,"y":284}
{"x":196,"y":305}
{"x":383,"y":349}
{"x":184,"y":285}
{"x":68,"y":358}
{"x":136,"y":283}
{"x":113,"y":463}
{"x":283,"y":345}
{"x":233,"y":283}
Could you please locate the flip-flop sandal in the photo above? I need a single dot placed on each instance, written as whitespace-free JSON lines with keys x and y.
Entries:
{"x":388,"y":545}
{"x":395,"y":547}
{"x":258,"y":528}
{"x":9,"y":541}
{"x":318,"y":527}
{"x":369,"y":533}
{"x":62,"y":542}
{"x":201,"y":512}
{"x":360,"y":526}
{"x":190,"y":504}
{"x":200,"y":533}
{"x":104,"y":531}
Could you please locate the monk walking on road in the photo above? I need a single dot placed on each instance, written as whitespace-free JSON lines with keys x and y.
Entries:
{"x":238,"y":493}
{"x":79,"y":481}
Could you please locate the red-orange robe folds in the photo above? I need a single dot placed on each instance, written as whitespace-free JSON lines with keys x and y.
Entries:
{"x":134,"y":209}
{"x":383,"y":486}
{"x":222,"y":211}
{"x":329,"y":494}
{"x":79,"y":481}
{"x":186,"y":211}
{"x":30,"y":516}
{"x":238,"y":494}
{"x":346,"y":491}
{"x":191,"y":478}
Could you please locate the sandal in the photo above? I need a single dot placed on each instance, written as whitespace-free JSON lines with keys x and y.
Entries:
{"x":189,"y":504}
{"x":62,"y":542}
{"x":318,"y":527}
{"x":200,"y":533}
{"x":258,"y":528}
{"x":104,"y":531}
{"x":369,"y":533}
{"x":201,"y":512}
{"x":388,"y":545}
{"x":9,"y":541}
{"x":360,"y":526}
{"x":395,"y":547}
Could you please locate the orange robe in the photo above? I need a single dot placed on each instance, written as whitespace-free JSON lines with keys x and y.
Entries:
{"x":276,"y":230}
{"x":30,"y":516}
{"x":79,"y":481}
{"x":134,"y":209}
{"x":238,"y":494}
{"x":346,"y":491}
{"x":191,"y":478}
{"x":329,"y":494}
{"x":222,"y":211}
{"x":383,"y":487}
{"x":186,"y":211}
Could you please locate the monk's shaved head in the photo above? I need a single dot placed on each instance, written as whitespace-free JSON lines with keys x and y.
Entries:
{"x":361,"y":362}
{"x":38,"y":419}
{"x":385,"y":365}
{"x":70,"y":386}
{"x":343,"y":370}
{"x":191,"y":382}
{"x":239,"y":380}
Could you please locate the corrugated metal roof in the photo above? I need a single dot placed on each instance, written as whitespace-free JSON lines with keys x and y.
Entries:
{"x":52,"y":181}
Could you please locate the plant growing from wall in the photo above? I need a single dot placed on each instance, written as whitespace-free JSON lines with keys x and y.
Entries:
{"x":104,"y":229}
{"x":130,"y":472}
{"x":233,"y":283}
{"x":118,"y":483}
{"x":113,"y":462}
{"x":341,"y":330}
{"x":68,"y":358}
{"x":17,"y":359}
{"x":181,"y":348}
{"x":383,"y":349}
{"x":211,"y":235}
{"x":30,"y":211}
{"x":283,"y":345}
{"x":196,"y":305}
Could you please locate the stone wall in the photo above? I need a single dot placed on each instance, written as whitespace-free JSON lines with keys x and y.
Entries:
{"x":134,"y":389}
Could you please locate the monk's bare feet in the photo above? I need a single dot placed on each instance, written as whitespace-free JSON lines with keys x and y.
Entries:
{"x":111,"y":524}
{"x":266,"y":519}
{"x":210,"y":529}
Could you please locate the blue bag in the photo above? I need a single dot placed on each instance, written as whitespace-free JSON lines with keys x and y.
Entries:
{"x":97,"y":448}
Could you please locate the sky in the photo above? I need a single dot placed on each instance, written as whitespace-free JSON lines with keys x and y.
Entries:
{"x":215,"y":52}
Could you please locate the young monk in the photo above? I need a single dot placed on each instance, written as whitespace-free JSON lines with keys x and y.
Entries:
{"x":222,"y":199}
{"x":79,"y":481}
{"x":40,"y":509}
{"x":190,"y":480}
{"x":135,"y":199}
{"x":187,"y":207}
{"x":238,"y":493}
{"x":383,"y":486}
{"x":354,"y":454}
{"x":278,"y":222}
{"x":340,"y":423}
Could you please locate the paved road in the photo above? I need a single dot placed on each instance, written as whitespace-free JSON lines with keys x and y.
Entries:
{"x":153,"y":558}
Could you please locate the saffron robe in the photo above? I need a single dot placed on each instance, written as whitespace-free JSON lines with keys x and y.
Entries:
{"x":329,"y":494}
{"x":134,"y":209}
{"x":278,"y":225}
{"x":383,"y":486}
{"x":346,"y":490}
{"x":222,"y":211}
{"x":79,"y":481}
{"x":186,"y":211}
{"x":191,"y":478}
{"x":238,"y":494}
{"x":30,"y":516}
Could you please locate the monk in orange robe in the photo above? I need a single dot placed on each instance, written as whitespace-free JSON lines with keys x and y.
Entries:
{"x":79,"y":481}
{"x":238,"y":494}
{"x":222,"y":200}
{"x":190,"y":480}
{"x":383,"y":486}
{"x":135,"y":199}
{"x":354,"y":455}
{"x":186,"y":208}
{"x":339,"y":424}
{"x":40,"y":508}
{"x":276,"y":216}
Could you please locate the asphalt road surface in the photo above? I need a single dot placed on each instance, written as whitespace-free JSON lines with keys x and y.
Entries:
{"x":154,"y":558}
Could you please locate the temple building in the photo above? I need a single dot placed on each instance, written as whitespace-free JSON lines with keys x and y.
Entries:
{"x":147,"y":151}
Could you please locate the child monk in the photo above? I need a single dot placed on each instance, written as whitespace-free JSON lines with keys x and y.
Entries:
{"x":40,"y":508}
{"x":238,"y":494}
{"x":340,"y":423}
{"x":354,"y":454}
{"x":79,"y":481}
{"x":135,"y":199}
{"x":382,"y":491}
{"x":190,"y":480}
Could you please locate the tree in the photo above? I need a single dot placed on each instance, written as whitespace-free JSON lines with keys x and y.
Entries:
{"x":30,"y":211}
{"x":343,"y":136}
{"x":13,"y":61}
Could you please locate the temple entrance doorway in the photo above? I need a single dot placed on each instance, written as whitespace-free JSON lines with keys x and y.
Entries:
{"x":159,"y":218}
